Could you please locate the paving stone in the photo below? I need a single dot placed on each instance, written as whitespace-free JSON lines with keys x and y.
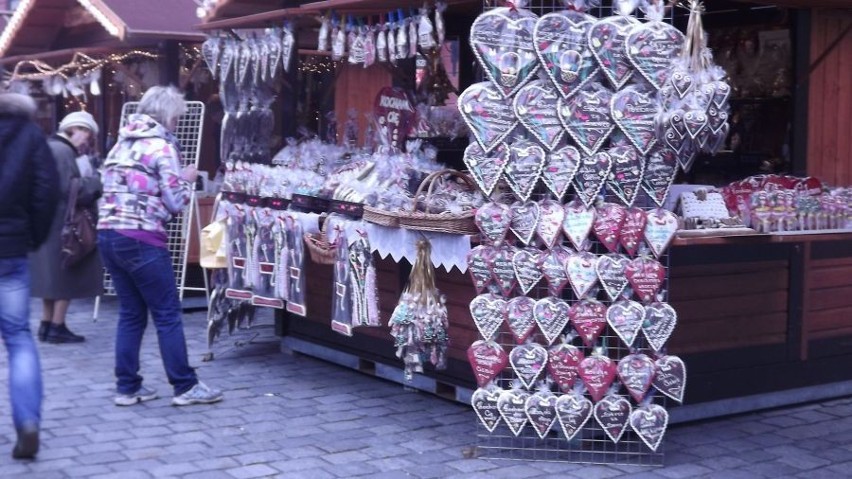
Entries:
{"x":254,"y":470}
{"x":684,"y":471}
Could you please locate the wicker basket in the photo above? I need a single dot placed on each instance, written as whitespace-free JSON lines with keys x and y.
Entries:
{"x":380,"y":217}
{"x":321,"y":251}
{"x":439,"y":222}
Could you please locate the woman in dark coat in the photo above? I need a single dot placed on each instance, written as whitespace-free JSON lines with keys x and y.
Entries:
{"x":56,"y":285}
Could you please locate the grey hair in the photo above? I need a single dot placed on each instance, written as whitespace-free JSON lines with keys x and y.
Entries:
{"x":164,"y":104}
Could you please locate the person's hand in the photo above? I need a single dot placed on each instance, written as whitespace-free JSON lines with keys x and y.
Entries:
{"x":190,"y":173}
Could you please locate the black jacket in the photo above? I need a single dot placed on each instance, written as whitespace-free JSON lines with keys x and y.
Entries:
{"x":29,"y":181}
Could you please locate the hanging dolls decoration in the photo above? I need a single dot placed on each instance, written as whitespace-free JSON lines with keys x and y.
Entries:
{"x":362,"y":281}
{"x":341,"y":295}
{"x":296,"y":246}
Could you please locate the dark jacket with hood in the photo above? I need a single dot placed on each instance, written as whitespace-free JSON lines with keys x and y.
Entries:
{"x":28,"y":178}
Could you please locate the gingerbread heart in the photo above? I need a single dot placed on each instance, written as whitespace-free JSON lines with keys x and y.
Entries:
{"x":628,"y":167}
{"x":646,"y":277}
{"x":636,"y":371}
{"x":502,"y":40}
{"x":609,"y":219}
{"x":525,"y":262}
{"x":487,"y":359}
{"x":607,"y":39}
{"x":589,"y":319}
{"x":528,"y":361}
{"x":512,"y":407}
{"x":552,"y":266}
{"x":587,"y":118}
{"x":681,"y":80}
{"x":673,"y":140}
{"x":486,"y":168}
{"x":660,"y":230}
{"x":591,"y":176}
{"x":503,"y":269}
{"x":487,"y":114}
{"x":551,"y":315}
{"x":524,"y":220}
{"x":578,"y":222}
{"x":695,"y":121}
{"x":625,"y":317}
{"x":716,"y":119}
{"x":563,"y":361}
{"x":484,"y":402}
{"x":550,"y":222}
{"x":541,"y":411}
{"x":659,"y":324}
{"x":610,"y":270}
{"x":598,"y":372}
{"x":526,"y":162}
{"x":561,"y":42}
{"x":651,"y":48}
{"x":582,"y":272}
{"x":634,"y":112}
{"x":479,"y":264}
{"x":533,"y":106}
{"x":493,"y":220}
{"x":670,"y":377}
{"x":660,"y":172}
{"x":650,"y":423}
{"x":633,"y":230}
{"x":520,"y":318}
{"x":488,"y":312}
{"x":612,"y":413}
{"x":559,"y":170}
{"x":721,"y":93}
{"x":687,"y":155}
{"x":573,"y":412}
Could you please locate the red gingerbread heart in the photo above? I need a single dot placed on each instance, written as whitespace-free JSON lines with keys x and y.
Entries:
{"x":646,"y":277}
{"x":633,"y":230}
{"x":493,"y":220}
{"x":552,"y":265}
{"x":578,"y":223}
{"x":563,"y":362}
{"x":503,"y":270}
{"x":609,"y":219}
{"x":589,"y":319}
{"x":479,"y":265}
{"x":487,"y":359}
{"x":598,"y":372}
{"x":636,"y":371}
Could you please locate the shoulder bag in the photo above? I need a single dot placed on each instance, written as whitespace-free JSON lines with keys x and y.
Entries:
{"x":79,"y":233}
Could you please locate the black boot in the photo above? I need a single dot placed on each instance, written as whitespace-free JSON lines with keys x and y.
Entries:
{"x":27,"y":445}
{"x":42,"y":330}
{"x":61,"y":334}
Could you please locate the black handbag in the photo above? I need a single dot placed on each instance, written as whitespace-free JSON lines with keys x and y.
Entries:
{"x":79,"y":232}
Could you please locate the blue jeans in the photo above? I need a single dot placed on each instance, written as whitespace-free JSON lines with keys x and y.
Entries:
{"x":144,"y":281}
{"x":25,"y":388}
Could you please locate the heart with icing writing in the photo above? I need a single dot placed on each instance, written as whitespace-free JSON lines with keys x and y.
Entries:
{"x":582,"y":272}
{"x":660,"y":171}
{"x":503,"y":269}
{"x":660,"y":230}
{"x":559,"y":170}
{"x":625,"y":317}
{"x":670,"y":377}
{"x":628,"y":167}
{"x":512,"y":406}
{"x":650,"y":423}
{"x":633,"y":230}
{"x":578,"y":222}
{"x":563,"y":361}
{"x":646,"y":277}
{"x":487,"y":359}
{"x":533,"y":106}
{"x":528,"y":361}
{"x":659,"y":324}
{"x":524,"y":220}
{"x":636,"y":371}
{"x":488,"y":312}
{"x":479,"y":263}
{"x":551,"y":315}
{"x":487,"y":114}
{"x":608,"y":38}
{"x":493,"y":220}
{"x":484,"y":402}
{"x":598,"y":372}
{"x":611,"y":274}
{"x":550,"y":222}
{"x":573,"y":412}
{"x":486,"y":168}
{"x":561,"y":42}
{"x":519,"y":317}
{"x":502,"y":40}
{"x":586,"y":116}
{"x":525,"y":262}
{"x":634,"y":112}
{"x":651,"y":49}
{"x":589,"y":319}
{"x":552,"y":266}
{"x":608,"y":222}
{"x":541,"y":411}
{"x":612,"y":413}
{"x":591,"y":176}
{"x":526,"y":160}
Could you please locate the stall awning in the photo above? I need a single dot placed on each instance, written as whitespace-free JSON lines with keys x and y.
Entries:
{"x":224,"y":9}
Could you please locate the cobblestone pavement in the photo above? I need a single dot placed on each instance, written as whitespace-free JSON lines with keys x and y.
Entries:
{"x":293,"y":417}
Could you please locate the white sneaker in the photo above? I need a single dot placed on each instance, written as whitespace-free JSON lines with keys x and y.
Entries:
{"x":199,"y":394}
{"x":142,"y":395}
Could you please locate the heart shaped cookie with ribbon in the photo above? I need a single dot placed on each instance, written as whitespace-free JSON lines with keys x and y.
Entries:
{"x":573,"y":412}
{"x":526,"y":160}
{"x":486,"y":168}
{"x":525,"y":216}
{"x":551,"y":315}
{"x":660,"y":230}
{"x":553,"y":268}
{"x":512,"y":406}
{"x":659,"y":324}
{"x":487,"y":114}
{"x":563,"y":361}
{"x":607,"y":39}
{"x":559,"y":170}
{"x":609,"y":219}
{"x":487,"y":359}
{"x":561,"y":42}
{"x":651,"y":48}
{"x":625,"y":318}
{"x":670,"y":377}
{"x":591,"y":176}
{"x":534,"y":107}
{"x":479,"y":264}
{"x":633,"y":230}
{"x":636,"y":371}
{"x":488,"y":312}
{"x":578,"y":222}
{"x":541,"y":411}
{"x":520,"y":318}
{"x":503,"y":269}
{"x":634,"y":112}
{"x":646,"y":277}
{"x":493,"y":220}
{"x":550,"y":221}
{"x":628,"y":167}
{"x":598,"y":372}
{"x":484,"y":402}
{"x":587,"y":118}
{"x":582,"y":272}
{"x":612,"y":413}
{"x":528,"y":360}
{"x":525,"y":262}
{"x":502,"y":40}
{"x":650,"y":423}
{"x":589,"y":319}
{"x":660,"y":172}
{"x":610,"y":270}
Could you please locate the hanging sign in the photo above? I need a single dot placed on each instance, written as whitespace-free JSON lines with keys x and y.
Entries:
{"x":394,"y":115}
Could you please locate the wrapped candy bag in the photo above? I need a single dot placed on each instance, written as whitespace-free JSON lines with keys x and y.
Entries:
{"x":324,"y":32}
{"x":425,"y":31}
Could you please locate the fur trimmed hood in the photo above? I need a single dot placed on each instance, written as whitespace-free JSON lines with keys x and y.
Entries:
{"x":17,"y":104}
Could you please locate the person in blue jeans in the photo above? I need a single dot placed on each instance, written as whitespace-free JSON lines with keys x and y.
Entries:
{"x":143,"y":188}
{"x":29,"y":183}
